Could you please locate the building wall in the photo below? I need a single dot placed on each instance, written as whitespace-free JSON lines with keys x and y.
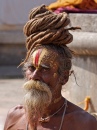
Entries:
{"x":83,"y":82}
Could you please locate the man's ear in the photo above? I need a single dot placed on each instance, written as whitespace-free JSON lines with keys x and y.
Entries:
{"x":65,"y":77}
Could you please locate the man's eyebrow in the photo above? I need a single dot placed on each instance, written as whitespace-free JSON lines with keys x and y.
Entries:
{"x":30,"y":64}
{"x":45,"y":66}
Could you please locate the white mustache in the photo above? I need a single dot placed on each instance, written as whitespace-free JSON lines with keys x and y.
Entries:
{"x":38,"y":85}
{"x":31,"y":84}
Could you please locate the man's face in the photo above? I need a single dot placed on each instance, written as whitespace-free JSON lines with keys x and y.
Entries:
{"x":43,"y":66}
{"x":42,"y":71}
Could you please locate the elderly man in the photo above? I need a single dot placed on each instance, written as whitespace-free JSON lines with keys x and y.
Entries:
{"x":47,"y":67}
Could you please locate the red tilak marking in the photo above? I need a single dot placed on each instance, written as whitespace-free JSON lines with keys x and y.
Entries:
{"x":37,"y":57}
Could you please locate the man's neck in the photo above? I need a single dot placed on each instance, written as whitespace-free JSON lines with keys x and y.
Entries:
{"x":54,"y":107}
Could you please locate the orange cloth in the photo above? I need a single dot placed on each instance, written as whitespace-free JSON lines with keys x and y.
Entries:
{"x":81,"y":4}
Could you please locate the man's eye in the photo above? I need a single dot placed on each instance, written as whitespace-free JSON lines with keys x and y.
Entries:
{"x":31,"y":68}
{"x":45,"y":69}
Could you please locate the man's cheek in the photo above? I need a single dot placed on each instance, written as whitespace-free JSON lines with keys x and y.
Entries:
{"x":27,"y":74}
{"x":46,"y":78}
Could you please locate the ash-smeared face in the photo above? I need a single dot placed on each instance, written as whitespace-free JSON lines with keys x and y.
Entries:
{"x":43,"y":65}
{"x":43,"y":70}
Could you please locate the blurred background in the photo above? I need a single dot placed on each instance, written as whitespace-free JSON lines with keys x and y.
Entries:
{"x":81,"y":87}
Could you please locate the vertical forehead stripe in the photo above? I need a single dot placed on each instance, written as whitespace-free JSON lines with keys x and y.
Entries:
{"x":37,"y":56}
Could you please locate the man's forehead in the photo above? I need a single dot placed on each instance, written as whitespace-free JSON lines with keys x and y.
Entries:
{"x":43,"y":55}
{"x":43,"y":51}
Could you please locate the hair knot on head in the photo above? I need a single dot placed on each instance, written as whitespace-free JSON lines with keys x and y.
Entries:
{"x":46,"y":27}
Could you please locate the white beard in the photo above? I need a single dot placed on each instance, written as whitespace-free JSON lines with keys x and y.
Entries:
{"x":37,"y":98}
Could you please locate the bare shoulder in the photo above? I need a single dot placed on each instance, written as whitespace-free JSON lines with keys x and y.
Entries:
{"x":81,"y":119}
{"x":14,"y":115}
{"x":16,"y":112}
{"x":89,"y":122}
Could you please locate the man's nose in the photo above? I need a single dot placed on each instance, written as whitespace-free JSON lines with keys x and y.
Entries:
{"x":35,"y":75}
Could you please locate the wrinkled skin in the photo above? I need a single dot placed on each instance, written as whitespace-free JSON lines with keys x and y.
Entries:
{"x":46,"y":71}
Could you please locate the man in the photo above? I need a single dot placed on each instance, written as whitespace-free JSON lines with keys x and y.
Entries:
{"x":47,"y":67}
